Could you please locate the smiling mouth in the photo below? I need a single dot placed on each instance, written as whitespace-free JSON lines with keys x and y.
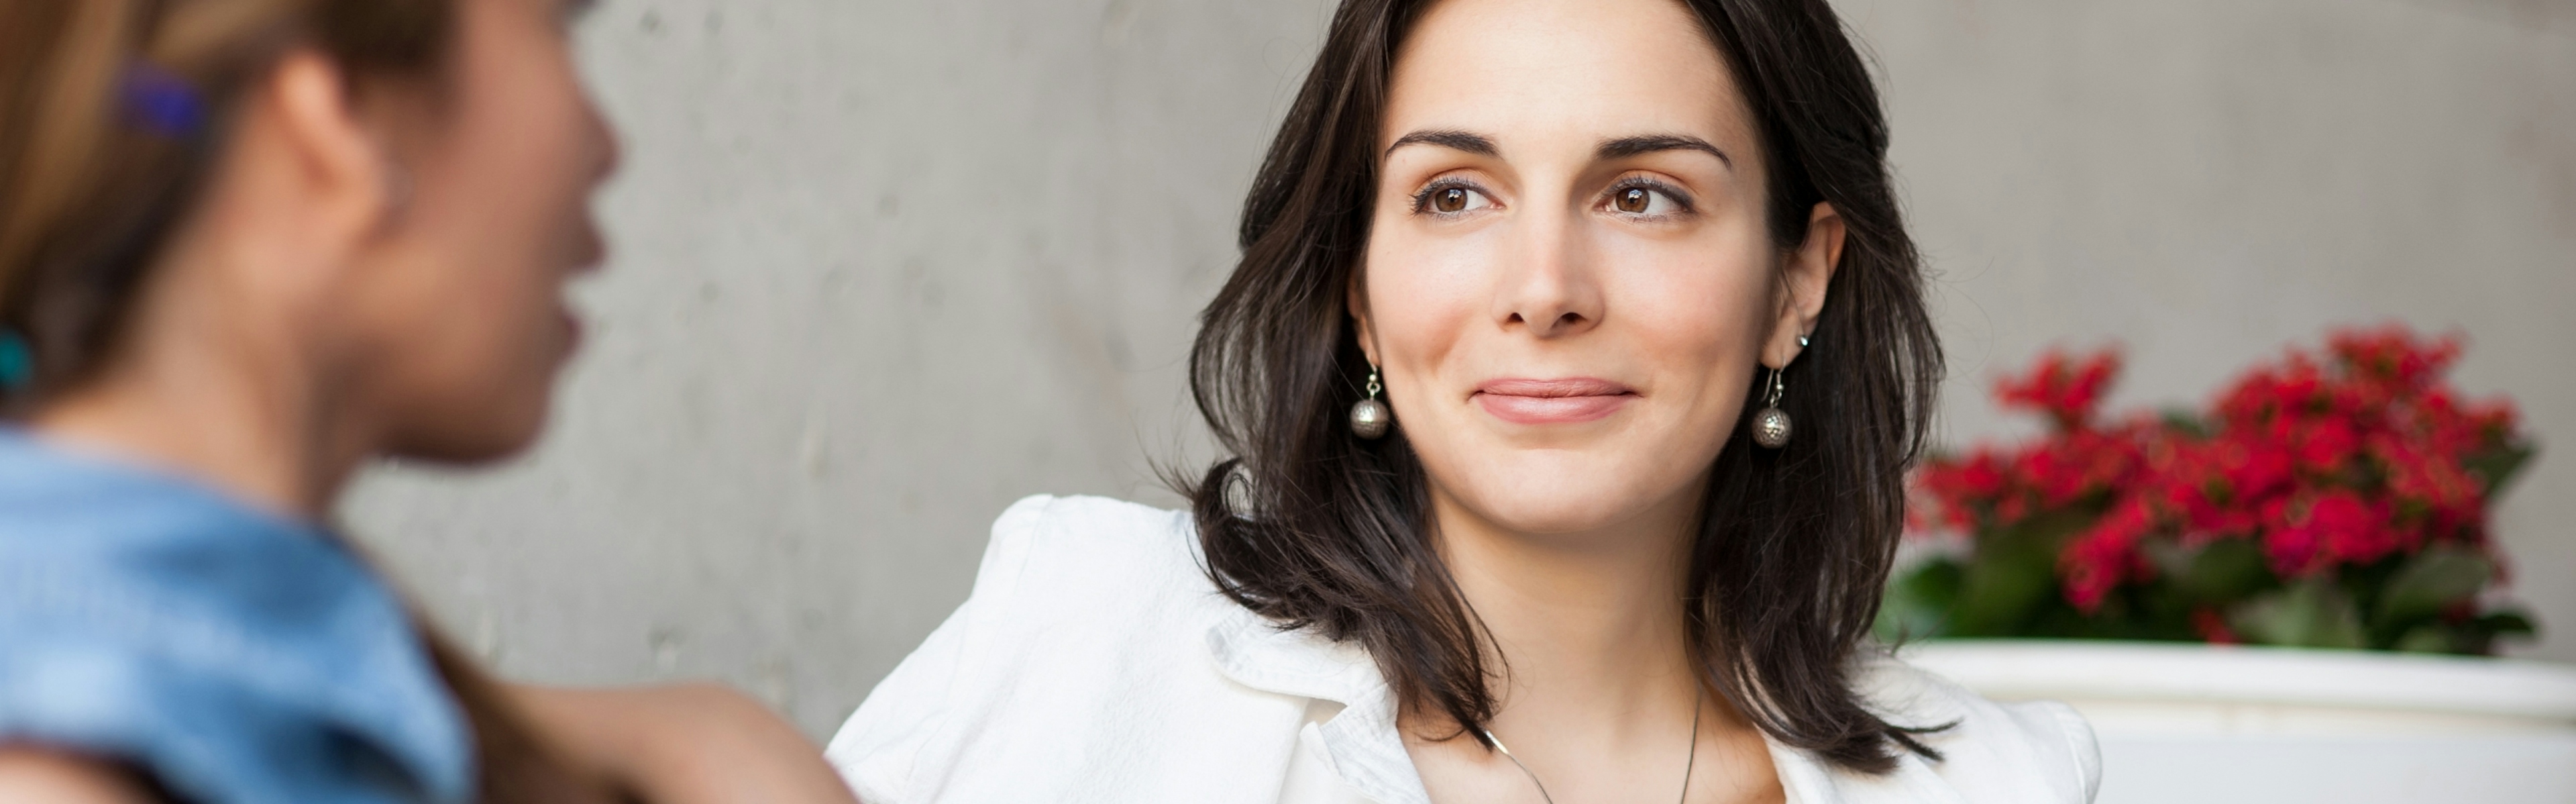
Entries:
{"x":1561,"y":401}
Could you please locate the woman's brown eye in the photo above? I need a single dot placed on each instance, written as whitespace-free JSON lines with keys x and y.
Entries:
{"x":1635,"y":200}
{"x":1450,"y":200}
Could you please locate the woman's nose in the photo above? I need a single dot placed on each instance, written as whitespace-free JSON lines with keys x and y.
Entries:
{"x":1547,"y":284}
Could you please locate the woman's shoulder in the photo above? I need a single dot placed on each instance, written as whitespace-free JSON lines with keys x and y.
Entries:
{"x":1139,"y":538}
{"x":1069,"y":573}
{"x":2025,"y":751}
{"x":217,"y":649}
{"x":1067,"y":561}
{"x":1079,"y":667}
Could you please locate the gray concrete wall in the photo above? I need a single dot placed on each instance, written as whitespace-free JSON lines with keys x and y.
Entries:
{"x":882,"y":267}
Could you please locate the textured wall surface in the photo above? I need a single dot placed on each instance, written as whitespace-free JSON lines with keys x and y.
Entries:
{"x":882,"y":267}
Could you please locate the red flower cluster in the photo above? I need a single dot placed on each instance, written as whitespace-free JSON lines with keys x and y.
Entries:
{"x":2325,"y":461}
{"x":2083,"y":459}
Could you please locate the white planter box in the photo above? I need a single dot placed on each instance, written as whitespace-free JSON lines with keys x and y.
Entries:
{"x":2216,"y":724}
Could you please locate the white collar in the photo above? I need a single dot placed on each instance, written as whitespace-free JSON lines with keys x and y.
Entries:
{"x":1368,"y":751}
{"x":1362,"y":740}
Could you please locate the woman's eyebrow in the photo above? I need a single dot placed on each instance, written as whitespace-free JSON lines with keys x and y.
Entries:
{"x":1452,"y":139}
{"x":1632,"y":146}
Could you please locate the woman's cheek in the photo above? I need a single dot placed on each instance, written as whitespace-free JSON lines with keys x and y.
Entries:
{"x":1699,"y":292}
{"x":1422,"y":299}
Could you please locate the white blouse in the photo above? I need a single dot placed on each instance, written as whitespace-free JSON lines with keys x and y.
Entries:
{"x":1095,"y":662}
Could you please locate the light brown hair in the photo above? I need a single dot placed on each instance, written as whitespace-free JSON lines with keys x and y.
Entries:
{"x":112,"y":113}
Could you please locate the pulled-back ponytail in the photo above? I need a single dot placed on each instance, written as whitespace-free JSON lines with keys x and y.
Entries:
{"x":112,"y":112}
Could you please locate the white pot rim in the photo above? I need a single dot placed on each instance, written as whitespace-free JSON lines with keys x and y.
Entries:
{"x":2168,"y":671}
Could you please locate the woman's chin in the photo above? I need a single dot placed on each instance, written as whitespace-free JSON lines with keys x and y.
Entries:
{"x":1571,"y":489}
{"x":1569,"y":509}
{"x":496,"y":433}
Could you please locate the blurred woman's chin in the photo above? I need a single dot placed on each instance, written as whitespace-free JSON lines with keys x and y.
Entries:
{"x":465,"y":455}
{"x":492,"y":434}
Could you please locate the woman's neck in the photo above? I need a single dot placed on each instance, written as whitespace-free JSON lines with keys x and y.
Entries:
{"x":1589,"y":625}
{"x":1598,"y":698}
{"x":231,"y":400}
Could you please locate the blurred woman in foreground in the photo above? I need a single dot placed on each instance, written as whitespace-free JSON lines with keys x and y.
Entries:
{"x":247,"y":246}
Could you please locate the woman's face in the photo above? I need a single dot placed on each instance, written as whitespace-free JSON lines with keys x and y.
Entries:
{"x":459,"y":309}
{"x":1569,"y":281}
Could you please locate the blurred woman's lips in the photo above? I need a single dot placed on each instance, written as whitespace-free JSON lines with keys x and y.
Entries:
{"x":1565,"y":401}
{"x":572,"y":330}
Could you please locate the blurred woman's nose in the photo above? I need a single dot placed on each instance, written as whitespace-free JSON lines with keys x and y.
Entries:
{"x":1547,"y":284}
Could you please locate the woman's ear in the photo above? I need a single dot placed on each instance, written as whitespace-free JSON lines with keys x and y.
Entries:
{"x":1806,"y":274}
{"x":344,"y":170}
{"x":1355,"y":296}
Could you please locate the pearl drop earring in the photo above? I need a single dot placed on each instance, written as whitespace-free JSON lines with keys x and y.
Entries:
{"x":1771,"y":424}
{"x":1370,"y":418}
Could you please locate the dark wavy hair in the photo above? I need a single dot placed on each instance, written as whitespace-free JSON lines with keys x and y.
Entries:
{"x":1314,"y":528}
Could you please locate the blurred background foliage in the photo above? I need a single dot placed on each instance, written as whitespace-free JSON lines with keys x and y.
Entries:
{"x":2335,"y":498}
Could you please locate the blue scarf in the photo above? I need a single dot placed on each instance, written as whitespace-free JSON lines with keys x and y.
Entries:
{"x":231,"y":655}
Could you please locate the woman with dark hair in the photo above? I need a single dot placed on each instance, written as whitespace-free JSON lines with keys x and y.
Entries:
{"x":1570,"y":374}
{"x":247,"y":246}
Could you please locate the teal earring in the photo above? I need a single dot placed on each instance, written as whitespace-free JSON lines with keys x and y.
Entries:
{"x":17,"y":362}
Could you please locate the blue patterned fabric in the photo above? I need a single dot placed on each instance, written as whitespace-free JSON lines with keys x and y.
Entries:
{"x":234,"y":656}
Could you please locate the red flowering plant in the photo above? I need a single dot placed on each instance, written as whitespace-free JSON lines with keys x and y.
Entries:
{"x":2326,"y":500}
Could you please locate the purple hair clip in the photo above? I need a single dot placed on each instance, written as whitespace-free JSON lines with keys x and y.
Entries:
{"x":158,"y":100}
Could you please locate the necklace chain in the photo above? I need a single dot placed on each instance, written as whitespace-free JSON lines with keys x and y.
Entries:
{"x":1698,"y":701}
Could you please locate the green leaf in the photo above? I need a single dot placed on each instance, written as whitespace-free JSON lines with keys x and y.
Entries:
{"x":2226,"y":570}
{"x":2169,"y":557}
{"x":2012,"y":577}
{"x":2434,"y":580}
{"x":2186,"y":421}
{"x":1918,"y":604}
{"x":2508,"y":623}
{"x":2312,"y":613}
{"x":2216,"y":573}
{"x":2478,"y":636}
{"x":2426,"y":639}
{"x":2499,"y":466}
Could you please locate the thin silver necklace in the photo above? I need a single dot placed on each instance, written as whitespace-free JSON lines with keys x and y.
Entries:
{"x":1698,"y":701}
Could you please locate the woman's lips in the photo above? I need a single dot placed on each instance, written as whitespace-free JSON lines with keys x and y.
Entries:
{"x":1566,"y":401}
{"x":572,"y":328}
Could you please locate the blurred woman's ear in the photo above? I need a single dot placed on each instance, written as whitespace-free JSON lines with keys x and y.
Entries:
{"x":331,"y":173}
{"x":1804,"y":278}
